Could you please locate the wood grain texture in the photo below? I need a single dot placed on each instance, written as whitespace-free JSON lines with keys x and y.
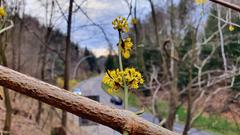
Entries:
{"x":227,"y":4}
{"x":117,"y":119}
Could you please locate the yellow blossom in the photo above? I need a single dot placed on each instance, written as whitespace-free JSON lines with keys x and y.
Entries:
{"x":2,"y":12}
{"x":134,"y":21}
{"x":231,"y":28}
{"x":115,"y":79}
{"x":199,"y":2}
{"x":133,"y":78}
{"x":126,"y":47}
{"x":120,"y":24}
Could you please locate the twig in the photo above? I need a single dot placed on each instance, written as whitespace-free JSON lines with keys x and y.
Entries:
{"x":8,"y":27}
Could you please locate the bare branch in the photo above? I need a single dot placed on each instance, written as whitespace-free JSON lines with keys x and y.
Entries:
{"x":78,"y":64}
{"x":8,"y":27}
{"x":221,"y":38}
{"x":96,"y":24}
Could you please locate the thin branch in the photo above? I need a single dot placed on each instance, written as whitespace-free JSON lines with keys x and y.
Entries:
{"x":96,"y":24}
{"x":78,"y":64}
{"x":221,"y":38}
{"x":8,"y":27}
{"x":61,"y":10}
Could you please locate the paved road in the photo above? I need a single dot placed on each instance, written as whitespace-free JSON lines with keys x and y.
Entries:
{"x":92,"y":86}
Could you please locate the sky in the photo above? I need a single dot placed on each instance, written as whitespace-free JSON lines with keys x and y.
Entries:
{"x":84,"y":33}
{"x":101,"y":12}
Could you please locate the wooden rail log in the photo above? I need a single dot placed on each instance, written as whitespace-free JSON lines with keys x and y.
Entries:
{"x":227,"y":4}
{"x":120,"y":120}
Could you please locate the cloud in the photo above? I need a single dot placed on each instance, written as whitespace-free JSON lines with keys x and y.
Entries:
{"x":100,"y":11}
{"x":100,"y":52}
{"x":97,"y":5}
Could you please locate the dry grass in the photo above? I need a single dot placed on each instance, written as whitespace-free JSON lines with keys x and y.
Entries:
{"x":23,"y":119}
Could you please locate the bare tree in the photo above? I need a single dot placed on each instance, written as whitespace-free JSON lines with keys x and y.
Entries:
{"x":43,"y":52}
{"x":201,"y":96}
{"x":67,"y":58}
{"x":7,"y":100}
{"x":173,"y":75}
{"x":154,"y":18}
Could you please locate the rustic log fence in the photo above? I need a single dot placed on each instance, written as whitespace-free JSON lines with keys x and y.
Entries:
{"x":119,"y":120}
{"x":226,"y":3}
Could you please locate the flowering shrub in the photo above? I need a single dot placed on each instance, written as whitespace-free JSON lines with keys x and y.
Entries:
{"x":126,"y":47}
{"x":120,"y":78}
{"x":120,"y":24}
{"x":114,"y":79}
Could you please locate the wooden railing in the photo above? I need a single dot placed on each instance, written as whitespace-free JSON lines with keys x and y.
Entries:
{"x":120,"y":120}
{"x":227,"y":4}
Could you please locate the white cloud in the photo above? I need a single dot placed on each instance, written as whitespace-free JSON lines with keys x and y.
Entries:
{"x":100,"y":52}
{"x":100,"y":11}
{"x":97,"y":5}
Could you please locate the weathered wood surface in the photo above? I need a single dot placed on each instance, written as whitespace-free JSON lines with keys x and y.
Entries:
{"x":226,"y":3}
{"x":117,"y":119}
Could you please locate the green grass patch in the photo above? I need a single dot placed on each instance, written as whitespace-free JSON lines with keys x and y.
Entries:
{"x":162,"y":107}
{"x":181,"y":113}
{"x":213,"y":123}
{"x":217,"y":124}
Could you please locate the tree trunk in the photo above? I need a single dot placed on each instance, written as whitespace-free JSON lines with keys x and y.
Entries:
{"x":139,"y":49}
{"x":189,"y":108}
{"x":14,"y":55}
{"x":173,"y":77}
{"x":67,"y":58}
{"x":44,"y":60}
{"x":7,"y":100}
{"x":155,"y":23}
{"x":39,"y":111}
{"x":193,"y":57}
{"x":172,"y":105}
{"x":120,"y":120}
{"x":19,"y":46}
{"x":8,"y":115}
{"x":44,"y":56}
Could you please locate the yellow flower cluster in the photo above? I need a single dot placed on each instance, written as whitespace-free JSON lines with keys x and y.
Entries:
{"x":134,"y":21}
{"x":133,"y":78}
{"x":199,"y":2}
{"x":231,"y":28}
{"x":126,"y":47}
{"x":114,"y":79}
{"x":2,"y":12}
{"x":120,"y":24}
